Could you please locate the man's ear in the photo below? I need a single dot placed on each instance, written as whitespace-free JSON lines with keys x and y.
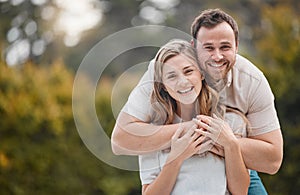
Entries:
{"x":193,"y":43}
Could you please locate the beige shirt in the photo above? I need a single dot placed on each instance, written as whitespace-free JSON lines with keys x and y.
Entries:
{"x":246,"y":89}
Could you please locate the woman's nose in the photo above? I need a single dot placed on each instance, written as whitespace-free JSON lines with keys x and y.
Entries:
{"x":183,"y":80}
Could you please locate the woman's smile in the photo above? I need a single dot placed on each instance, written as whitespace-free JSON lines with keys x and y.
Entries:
{"x":185,"y":91}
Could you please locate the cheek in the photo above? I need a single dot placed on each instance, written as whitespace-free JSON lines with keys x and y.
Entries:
{"x":169,"y":88}
{"x":231,"y":54}
{"x":197,"y":81}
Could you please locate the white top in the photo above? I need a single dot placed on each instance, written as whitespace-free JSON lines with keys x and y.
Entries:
{"x":247,"y":90}
{"x":200,"y":174}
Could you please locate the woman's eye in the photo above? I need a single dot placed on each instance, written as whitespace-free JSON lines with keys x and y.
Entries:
{"x":171,"y":76}
{"x":189,"y":71}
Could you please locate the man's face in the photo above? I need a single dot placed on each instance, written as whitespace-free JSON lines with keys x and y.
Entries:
{"x":216,"y":48}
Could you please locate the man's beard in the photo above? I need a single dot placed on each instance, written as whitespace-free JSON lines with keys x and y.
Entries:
{"x":216,"y":84}
{"x":216,"y":78}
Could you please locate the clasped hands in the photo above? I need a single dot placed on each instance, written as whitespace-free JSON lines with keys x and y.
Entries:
{"x":202,"y":134}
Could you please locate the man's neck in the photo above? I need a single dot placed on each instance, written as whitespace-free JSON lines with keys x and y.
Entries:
{"x":217,"y":85}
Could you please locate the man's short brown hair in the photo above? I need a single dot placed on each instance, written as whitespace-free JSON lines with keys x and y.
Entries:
{"x":210,"y":18}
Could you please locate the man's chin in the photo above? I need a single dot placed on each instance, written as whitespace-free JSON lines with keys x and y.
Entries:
{"x":215,"y":77}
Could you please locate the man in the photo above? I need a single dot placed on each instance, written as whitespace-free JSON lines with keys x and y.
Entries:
{"x":240,"y":84}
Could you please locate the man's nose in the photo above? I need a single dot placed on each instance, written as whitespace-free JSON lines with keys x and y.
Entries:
{"x":217,"y":55}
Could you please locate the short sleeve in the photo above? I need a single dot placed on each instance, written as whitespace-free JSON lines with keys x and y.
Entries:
{"x":149,"y":167}
{"x":262,"y":114}
{"x":138,"y":103}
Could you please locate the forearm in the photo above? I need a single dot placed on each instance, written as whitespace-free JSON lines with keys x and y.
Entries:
{"x":263,"y":153}
{"x":166,"y":179}
{"x":236,"y":172}
{"x":132,"y":137}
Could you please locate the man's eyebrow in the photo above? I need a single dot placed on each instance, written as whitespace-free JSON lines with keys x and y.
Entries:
{"x":211,"y":44}
{"x":226,"y":43}
{"x":207,"y":43}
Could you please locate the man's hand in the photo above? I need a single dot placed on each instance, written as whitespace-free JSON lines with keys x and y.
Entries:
{"x":216,"y":129}
{"x":218,"y":150}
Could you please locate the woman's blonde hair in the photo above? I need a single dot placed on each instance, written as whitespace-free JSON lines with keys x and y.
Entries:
{"x":163,"y":104}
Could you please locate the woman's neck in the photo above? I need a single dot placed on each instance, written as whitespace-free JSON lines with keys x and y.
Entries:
{"x":186,"y":111}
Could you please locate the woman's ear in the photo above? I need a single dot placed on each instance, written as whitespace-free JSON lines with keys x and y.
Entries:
{"x":202,"y":75}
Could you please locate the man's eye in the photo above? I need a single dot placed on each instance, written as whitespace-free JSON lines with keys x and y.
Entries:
{"x":225,"y":47}
{"x":208,"y":48}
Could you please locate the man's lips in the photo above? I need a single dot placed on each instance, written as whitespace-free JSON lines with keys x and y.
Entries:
{"x":217,"y":65}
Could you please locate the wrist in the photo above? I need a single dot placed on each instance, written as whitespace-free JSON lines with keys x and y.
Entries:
{"x":174,"y":160}
{"x":232,"y":145}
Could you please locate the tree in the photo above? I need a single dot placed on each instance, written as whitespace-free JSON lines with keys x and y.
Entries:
{"x":278,"y":45}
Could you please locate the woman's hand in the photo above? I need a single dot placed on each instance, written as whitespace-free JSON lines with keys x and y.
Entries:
{"x":185,"y":144}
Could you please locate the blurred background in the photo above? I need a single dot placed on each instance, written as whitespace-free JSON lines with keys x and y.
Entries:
{"x":42,"y":45}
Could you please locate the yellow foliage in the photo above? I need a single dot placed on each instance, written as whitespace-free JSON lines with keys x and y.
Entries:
{"x":4,"y":161}
{"x":34,"y":99}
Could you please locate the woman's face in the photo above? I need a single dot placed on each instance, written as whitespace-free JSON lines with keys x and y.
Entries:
{"x":182,"y":79}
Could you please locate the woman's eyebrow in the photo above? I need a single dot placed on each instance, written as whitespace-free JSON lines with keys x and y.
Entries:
{"x":188,"y":66}
{"x":170,"y":72}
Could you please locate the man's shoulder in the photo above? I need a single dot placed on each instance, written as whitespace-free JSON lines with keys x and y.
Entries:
{"x":245,"y":68}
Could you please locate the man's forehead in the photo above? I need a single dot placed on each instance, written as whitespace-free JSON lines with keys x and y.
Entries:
{"x":211,"y":42}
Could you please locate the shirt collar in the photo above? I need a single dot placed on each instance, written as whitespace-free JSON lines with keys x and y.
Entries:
{"x":229,"y":78}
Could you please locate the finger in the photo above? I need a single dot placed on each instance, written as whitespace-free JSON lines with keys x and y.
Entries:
{"x":197,"y":122}
{"x":178,"y":132}
{"x":218,"y":120}
{"x":208,"y":144}
{"x":191,"y":131}
{"x":215,"y":151}
{"x":204,"y":118}
{"x":202,"y":132}
{"x":201,"y":125}
{"x":215,"y":116}
{"x":199,"y":140}
{"x":197,"y":136}
{"x":213,"y":135}
{"x":205,"y":147}
{"x":200,"y":116}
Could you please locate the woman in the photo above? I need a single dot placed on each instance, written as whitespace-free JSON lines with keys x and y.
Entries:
{"x":180,"y":94}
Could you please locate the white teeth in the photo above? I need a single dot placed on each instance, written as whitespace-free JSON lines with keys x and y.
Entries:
{"x":216,"y":65}
{"x":186,"y":91}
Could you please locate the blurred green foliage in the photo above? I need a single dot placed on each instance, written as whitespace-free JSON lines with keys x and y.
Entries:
{"x":278,"y":46}
{"x":40,"y":150}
